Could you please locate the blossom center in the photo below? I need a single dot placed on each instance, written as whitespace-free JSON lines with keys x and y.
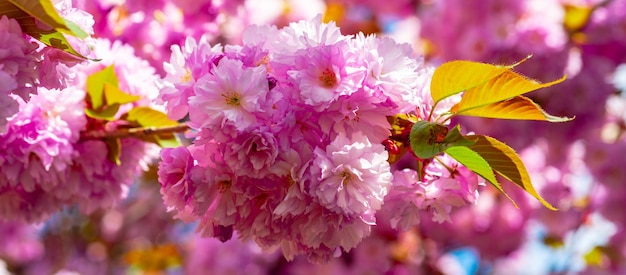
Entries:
{"x":187,"y":77}
{"x":120,"y":16}
{"x":328,"y":79}
{"x":346,"y":175}
{"x":223,"y":186}
{"x":232,"y":99}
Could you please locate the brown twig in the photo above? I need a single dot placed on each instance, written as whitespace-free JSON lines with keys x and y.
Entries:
{"x":133,"y":132}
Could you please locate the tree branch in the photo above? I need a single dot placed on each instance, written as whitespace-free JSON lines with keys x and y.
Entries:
{"x":133,"y":132}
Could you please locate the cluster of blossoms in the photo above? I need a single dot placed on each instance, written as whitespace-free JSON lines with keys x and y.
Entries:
{"x":495,"y":26}
{"x":46,"y":164}
{"x":17,"y":67}
{"x":150,"y":27}
{"x":288,"y":132}
{"x":290,"y":139}
{"x":26,"y":64}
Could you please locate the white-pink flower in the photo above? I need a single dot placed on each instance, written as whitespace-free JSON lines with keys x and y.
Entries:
{"x":230,"y":94}
{"x":310,"y":33}
{"x":350,"y":176}
{"x":393,"y":71}
{"x":8,"y":105}
{"x":18,"y":65}
{"x":38,"y":149}
{"x":402,"y":206}
{"x":324,"y":73}
{"x":354,"y":113}
{"x":187,"y":64}
{"x":253,"y":153}
{"x":174,"y":175}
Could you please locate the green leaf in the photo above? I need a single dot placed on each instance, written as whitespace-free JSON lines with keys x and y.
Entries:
{"x":429,"y":139}
{"x":26,"y":12}
{"x":478,"y":165}
{"x":505,"y":86}
{"x":455,"y":138}
{"x":115,"y":150}
{"x":457,"y":76}
{"x":426,"y":139}
{"x":506,"y":162}
{"x":519,"y":107}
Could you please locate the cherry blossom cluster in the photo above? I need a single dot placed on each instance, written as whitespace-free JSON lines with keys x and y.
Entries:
{"x":46,"y":165}
{"x":289,"y":140}
{"x":26,"y":64}
{"x":287,"y":143}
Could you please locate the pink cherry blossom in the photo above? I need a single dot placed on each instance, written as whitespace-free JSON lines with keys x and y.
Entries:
{"x":351,"y":176}
{"x":230,"y":94}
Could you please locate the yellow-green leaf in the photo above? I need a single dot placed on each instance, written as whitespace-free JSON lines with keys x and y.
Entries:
{"x":107,"y":112}
{"x":103,"y":90}
{"x":478,"y":165}
{"x":95,"y":86}
{"x":457,"y":76}
{"x":56,"y":40}
{"x":519,"y":107}
{"x":114,"y":146}
{"x":104,"y":95}
{"x":576,"y":17}
{"x":506,"y":162}
{"x":44,"y":11}
{"x":505,"y":86}
{"x":146,"y":117}
{"x":167,"y":141}
{"x":26,"y":12}
{"x":113,"y":95}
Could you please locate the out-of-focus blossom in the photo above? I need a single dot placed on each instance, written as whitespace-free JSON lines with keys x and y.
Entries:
{"x":207,"y":255}
{"x":570,"y":257}
{"x":47,"y":166}
{"x":18,"y":67}
{"x":152,"y":27}
{"x":39,"y":151}
{"x":21,"y":242}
